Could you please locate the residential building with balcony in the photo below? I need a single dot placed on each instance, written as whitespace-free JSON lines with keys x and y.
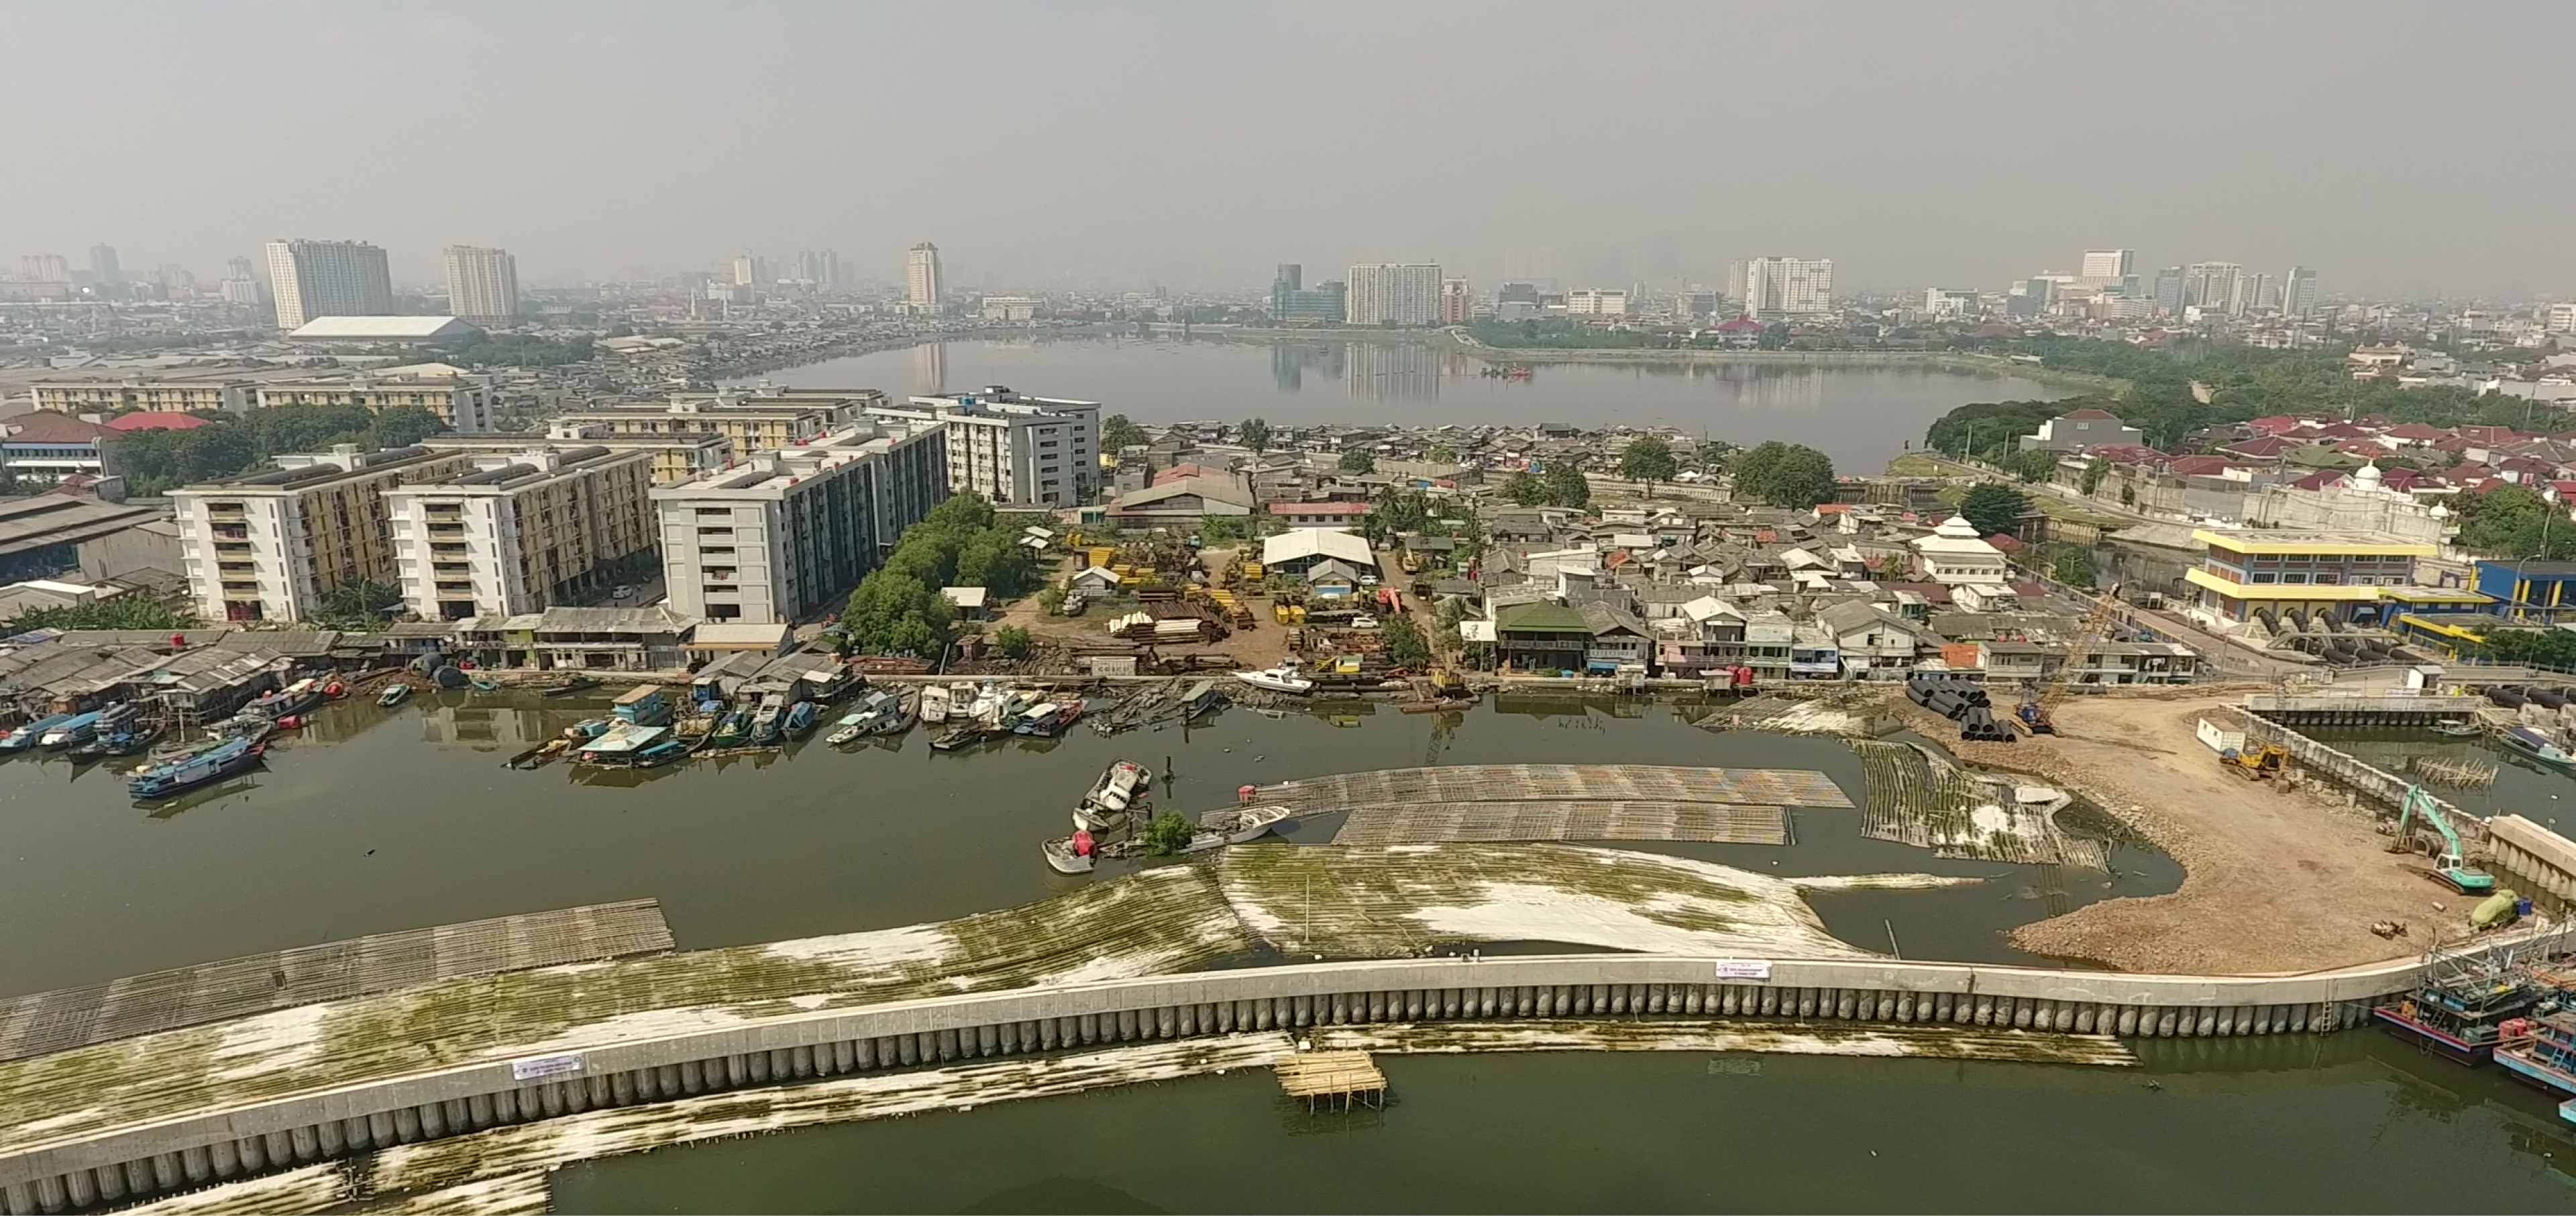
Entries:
{"x":1010,"y":447}
{"x":271,"y":545}
{"x":465,"y":401}
{"x":676,"y":458}
{"x":786,"y":534}
{"x":521,"y":531}
{"x":178,"y":392}
{"x":2362,"y":577}
{"x":44,"y":446}
{"x":763,"y":419}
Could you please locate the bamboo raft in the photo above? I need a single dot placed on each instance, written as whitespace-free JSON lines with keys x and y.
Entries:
{"x":1333,"y":1079}
{"x":1483,"y":822}
{"x":1557,"y":783}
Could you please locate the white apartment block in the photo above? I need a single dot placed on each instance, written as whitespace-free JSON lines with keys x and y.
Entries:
{"x":1788,"y":287}
{"x":179,"y":391}
{"x":270,"y":545}
{"x":1392,"y":293}
{"x":785,"y":535}
{"x":2562,"y":317}
{"x":922,"y":286}
{"x":463,"y":400}
{"x":519,"y":532}
{"x":312,"y":279}
{"x":1949,"y":301}
{"x":1011,"y":448}
{"x":2107,"y":267}
{"x":482,"y":285}
{"x":1596,"y":302}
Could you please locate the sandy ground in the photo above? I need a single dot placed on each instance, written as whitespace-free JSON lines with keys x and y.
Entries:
{"x":2274,"y":882}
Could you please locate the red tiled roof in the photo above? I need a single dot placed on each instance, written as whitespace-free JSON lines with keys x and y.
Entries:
{"x":2317,"y":481}
{"x":156,"y":420}
{"x":51,"y":426}
{"x":2268,"y":445}
{"x":1179,"y":471}
{"x":2006,"y":542}
{"x":1738,"y":325}
{"x":2199,"y":466}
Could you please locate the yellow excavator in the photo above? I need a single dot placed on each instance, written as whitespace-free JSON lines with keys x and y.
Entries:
{"x":2255,"y":763}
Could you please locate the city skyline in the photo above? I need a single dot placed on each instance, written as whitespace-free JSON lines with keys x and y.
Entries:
{"x":1895,"y":204}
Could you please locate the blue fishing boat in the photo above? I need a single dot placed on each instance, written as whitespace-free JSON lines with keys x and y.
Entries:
{"x":799,"y":720}
{"x":2541,"y":1050}
{"x":2536,"y":745}
{"x":71,"y":732}
{"x":769,"y":725}
{"x":214,"y":764}
{"x":25,"y":737}
{"x":2460,"y":1019}
{"x":295,"y":700}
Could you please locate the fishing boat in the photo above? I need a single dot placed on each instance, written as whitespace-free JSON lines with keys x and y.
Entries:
{"x":2536,"y":745}
{"x":1246,"y":824}
{"x":293,"y":701}
{"x":1075,"y":854}
{"x":393,"y":695}
{"x":769,"y":725}
{"x":1283,"y":678}
{"x":25,"y":736}
{"x":962,"y":699}
{"x":71,"y":732}
{"x":1202,"y":698}
{"x":934,"y":704}
{"x":2541,"y":1050}
{"x":852,"y":728}
{"x":482,"y":685}
{"x":2457,"y":730}
{"x":958,"y":736}
{"x":668,"y":751}
{"x":113,"y":723}
{"x":732,"y":730}
{"x":214,"y":764}
{"x":133,"y":739}
{"x":799,"y":720}
{"x":907,"y":706}
{"x":1118,"y":789}
{"x":1040,"y":720}
{"x":574,"y":685}
{"x":2460,"y":1020}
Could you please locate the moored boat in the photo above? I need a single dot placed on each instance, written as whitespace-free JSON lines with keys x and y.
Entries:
{"x":768,"y":724}
{"x":799,"y":720}
{"x":575,"y":684}
{"x":853,"y":727}
{"x":25,"y":737}
{"x":935,"y":702}
{"x":1075,"y":854}
{"x":2461,"y":1020}
{"x":293,"y":701}
{"x":393,"y":695}
{"x":1202,"y":698}
{"x":130,"y":741}
{"x":2536,"y":745}
{"x":958,"y":736}
{"x":2541,"y":1050}
{"x":1250,"y":823}
{"x":1283,"y":678}
{"x":214,"y":764}
{"x":72,"y":732}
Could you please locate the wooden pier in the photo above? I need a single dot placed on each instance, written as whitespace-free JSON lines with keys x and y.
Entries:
{"x":1618,"y":819}
{"x":46,"y":1022}
{"x":1333,"y":1080}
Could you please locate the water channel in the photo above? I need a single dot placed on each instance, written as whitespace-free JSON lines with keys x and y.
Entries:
{"x":1861,"y":415}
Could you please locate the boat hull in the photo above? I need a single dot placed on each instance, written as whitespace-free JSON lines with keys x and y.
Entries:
{"x":2433,"y":1039}
{"x":146,"y":789}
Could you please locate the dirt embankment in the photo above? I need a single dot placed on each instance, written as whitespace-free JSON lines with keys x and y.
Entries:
{"x":2273,"y":882}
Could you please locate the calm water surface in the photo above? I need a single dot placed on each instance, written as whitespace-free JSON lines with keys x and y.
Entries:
{"x":1861,"y":416}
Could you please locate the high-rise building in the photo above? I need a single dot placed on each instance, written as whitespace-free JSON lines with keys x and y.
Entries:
{"x":312,"y":279}
{"x":1737,"y":272}
{"x":1456,"y":306}
{"x":2247,"y":295}
{"x":2107,"y":267}
{"x":1287,"y":280}
{"x":2169,"y":292}
{"x":2210,"y":285}
{"x":786,"y":534}
{"x":1788,"y":287}
{"x":821,"y":267}
{"x":1393,"y":293}
{"x":1294,"y":303}
{"x":922,"y":286}
{"x":45,"y":268}
{"x":482,"y":285}
{"x":2299,"y":292}
{"x":2562,"y":317}
{"x":103,"y":269}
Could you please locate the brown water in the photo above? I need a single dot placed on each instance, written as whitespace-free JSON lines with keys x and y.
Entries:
{"x":373,"y":821}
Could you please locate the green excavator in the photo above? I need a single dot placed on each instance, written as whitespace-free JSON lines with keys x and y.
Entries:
{"x":2450,"y":866}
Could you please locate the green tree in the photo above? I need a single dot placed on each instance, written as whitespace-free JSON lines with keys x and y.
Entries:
{"x":129,"y":611}
{"x":1648,"y":458}
{"x":1011,"y":642}
{"x":2070,"y":564}
{"x":1774,"y":336}
{"x":1116,"y":432}
{"x":360,"y":604}
{"x":403,"y":426}
{"x":1783,"y":474}
{"x":1405,"y":645}
{"x":1357,"y":462}
{"x":1168,"y":834}
{"x":1566,"y":484}
{"x":893,"y":612}
{"x":1441,"y":453}
{"x":2511,"y":521}
{"x":1993,"y":507}
{"x":1400,"y":511}
{"x":1255,"y":433}
{"x":2094,"y":471}
{"x":2534,"y":647}
{"x":1525,"y":489}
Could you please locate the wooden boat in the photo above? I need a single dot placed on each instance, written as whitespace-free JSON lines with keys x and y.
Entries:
{"x":853,"y":727}
{"x":1073,"y":854}
{"x":799,"y":720}
{"x":132,"y":741}
{"x":393,"y":695}
{"x":1202,"y":698}
{"x":1120,"y":788}
{"x":2461,"y":1021}
{"x":72,"y":732}
{"x":293,"y":701}
{"x":769,"y":725}
{"x":25,"y":736}
{"x":232,"y":756}
{"x":958,"y":736}
{"x":2536,"y":745}
{"x":906,"y":707}
{"x":1283,"y":678}
{"x":1252,"y":822}
{"x":571,"y":686}
{"x":2542,"y":1051}
{"x":482,"y":685}
{"x":2458,"y":730}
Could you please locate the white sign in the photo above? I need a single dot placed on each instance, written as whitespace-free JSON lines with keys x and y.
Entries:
{"x":1744,"y":970}
{"x":542,"y":1067}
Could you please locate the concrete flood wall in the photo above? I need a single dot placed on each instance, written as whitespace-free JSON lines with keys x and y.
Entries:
{"x":125,"y":1163}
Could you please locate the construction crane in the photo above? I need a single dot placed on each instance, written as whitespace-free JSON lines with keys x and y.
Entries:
{"x":2039,"y":696}
{"x":2451,"y":866}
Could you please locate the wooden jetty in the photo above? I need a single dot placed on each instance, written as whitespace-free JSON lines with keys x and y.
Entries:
{"x":47,"y":1022}
{"x":1333,"y":1080}
{"x":1609,"y":819}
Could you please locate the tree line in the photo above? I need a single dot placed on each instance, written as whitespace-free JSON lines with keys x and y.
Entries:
{"x":155,"y":462}
{"x":963,"y":542}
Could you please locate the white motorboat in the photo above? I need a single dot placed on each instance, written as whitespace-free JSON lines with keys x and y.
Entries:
{"x":1283,"y":678}
{"x":1073,"y":854}
{"x":1091,"y":818}
{"x":934,"y":704}
{"x":1253,"y":822}
{"x":852,"y":726}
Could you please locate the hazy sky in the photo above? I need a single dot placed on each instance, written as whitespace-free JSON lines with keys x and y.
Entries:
{"x":2395,"y":147}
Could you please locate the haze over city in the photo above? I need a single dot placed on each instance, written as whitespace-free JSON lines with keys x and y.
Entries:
{"x":1193,"y":146}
